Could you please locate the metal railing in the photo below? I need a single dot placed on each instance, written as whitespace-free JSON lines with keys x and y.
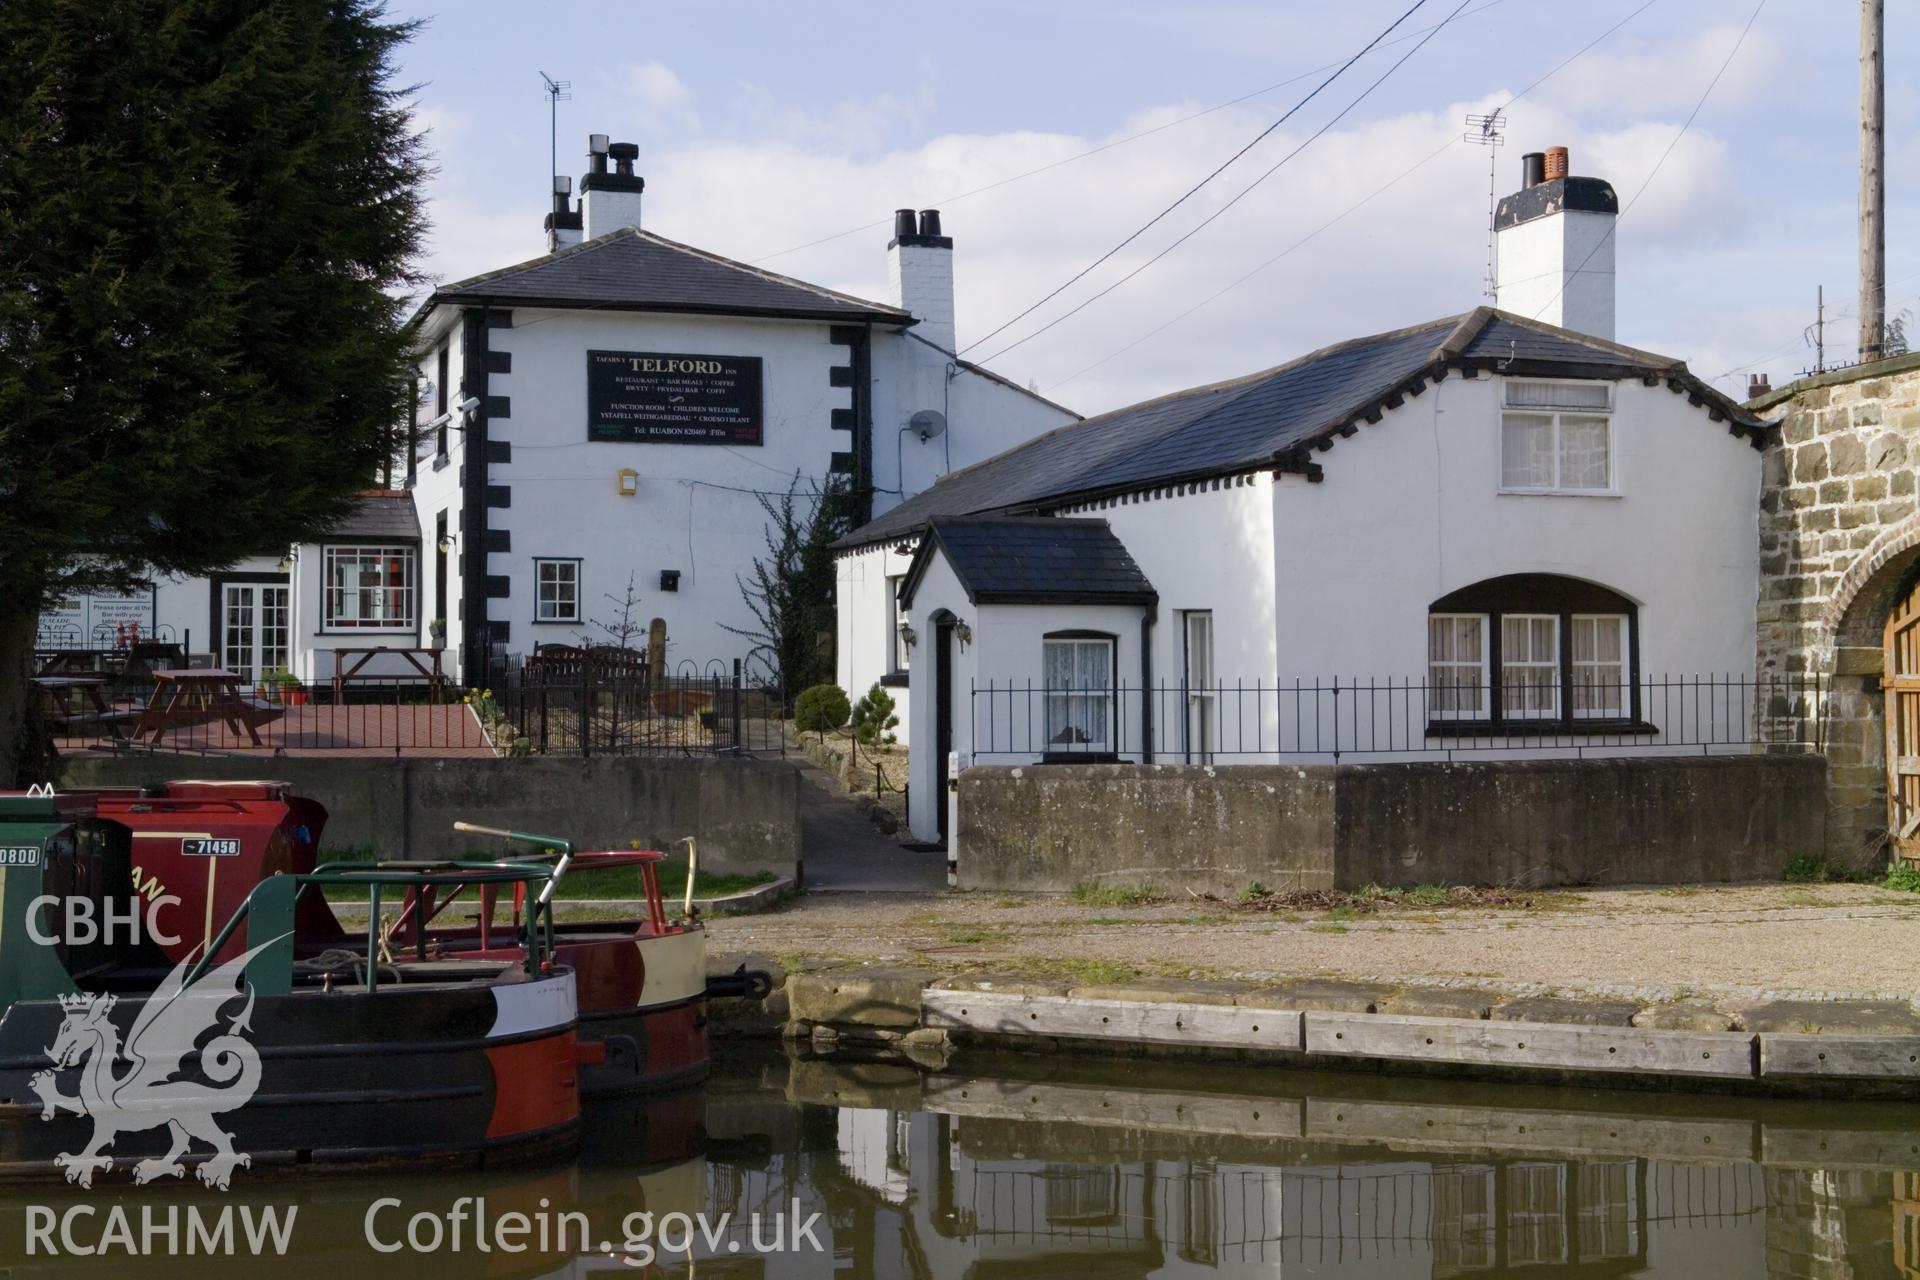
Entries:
{"x":1339,"y":718}
{"x":525,"y":708}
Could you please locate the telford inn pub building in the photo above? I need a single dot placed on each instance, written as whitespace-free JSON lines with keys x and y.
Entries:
{"x":609,"y":412}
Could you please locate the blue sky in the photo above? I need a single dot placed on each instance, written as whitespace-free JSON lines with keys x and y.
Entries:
{"x":764,"y":127}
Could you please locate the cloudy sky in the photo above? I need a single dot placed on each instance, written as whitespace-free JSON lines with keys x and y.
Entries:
{"x":1047,"y":132}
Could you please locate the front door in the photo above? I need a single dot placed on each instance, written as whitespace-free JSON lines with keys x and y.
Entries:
{"x":254,"y":628}
{"x":942,"y":717}
{"x":1901,"y":683}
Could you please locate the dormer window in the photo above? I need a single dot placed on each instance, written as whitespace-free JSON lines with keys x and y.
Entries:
{"x":1557,"y":437}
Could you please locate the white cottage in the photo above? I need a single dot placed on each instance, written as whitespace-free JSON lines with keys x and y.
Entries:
{"x":1481,"y":529}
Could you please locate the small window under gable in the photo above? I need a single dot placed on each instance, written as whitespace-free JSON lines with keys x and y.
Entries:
{"x":1557,"y":437}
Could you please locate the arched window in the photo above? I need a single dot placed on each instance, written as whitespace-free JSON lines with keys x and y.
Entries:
{"x":1533,"y":649}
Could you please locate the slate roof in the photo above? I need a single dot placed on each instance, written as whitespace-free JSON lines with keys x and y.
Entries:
{"x":385,"y":514}
{"x":1035,"y":560}
{"x":634,"y":270}
{"x":1280,"y":418}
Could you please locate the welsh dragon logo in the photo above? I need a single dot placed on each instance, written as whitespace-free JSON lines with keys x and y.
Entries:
{"x":131,"y":1088}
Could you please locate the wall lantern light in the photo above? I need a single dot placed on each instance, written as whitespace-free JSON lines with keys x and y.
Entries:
{"x":963,"y":633}
{"x":446,"y":544}
{"x":911,"y":636}
{"x":629,"y":482}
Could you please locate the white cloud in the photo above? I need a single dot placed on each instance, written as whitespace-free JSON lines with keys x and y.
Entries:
{"x":656,"y":85}
{"x":1665,"y":74}
{"x":1416,"y":252}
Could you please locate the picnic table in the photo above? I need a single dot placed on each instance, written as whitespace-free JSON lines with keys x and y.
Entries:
{"x":183,"y":699}
{"x":76,"y":703}
{"x":348,"y":663}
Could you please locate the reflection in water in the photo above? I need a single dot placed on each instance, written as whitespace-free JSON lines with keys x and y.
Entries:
{"x":1146,"y":1170}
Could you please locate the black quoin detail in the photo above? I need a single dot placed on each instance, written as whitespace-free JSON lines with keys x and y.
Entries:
{"x":499,"y":495}
{"x":499,"y":406}
{"x":499,"y":586}
{"x":840,"y":375}
{"x":499,"y":362}
{"x":499,"y":451}
{"x":498,"y":540}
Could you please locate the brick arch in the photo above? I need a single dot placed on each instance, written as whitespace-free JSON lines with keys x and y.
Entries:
{"x":1870,"y":582}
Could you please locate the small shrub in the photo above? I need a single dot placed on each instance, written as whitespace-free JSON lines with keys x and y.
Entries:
{"x":873,"y":718}
{"x":1808,"y":868}
{"x":1254,"y":890}
{"x":821,"y":708}
{"x":1904,"y":877}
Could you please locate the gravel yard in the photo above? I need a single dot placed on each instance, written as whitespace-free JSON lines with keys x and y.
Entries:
{"x":1825,"y":939}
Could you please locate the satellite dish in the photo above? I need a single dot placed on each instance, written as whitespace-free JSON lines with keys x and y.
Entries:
{"x":928,"y":423}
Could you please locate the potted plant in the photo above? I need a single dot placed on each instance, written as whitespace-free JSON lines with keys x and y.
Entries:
{"x":437,"y":633}
{"x":292,"y":692}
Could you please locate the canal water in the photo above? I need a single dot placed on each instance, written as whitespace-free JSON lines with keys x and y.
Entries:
{"x":1055,"y":1167}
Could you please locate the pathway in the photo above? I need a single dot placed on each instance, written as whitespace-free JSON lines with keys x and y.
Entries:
{"x":845,"y":852}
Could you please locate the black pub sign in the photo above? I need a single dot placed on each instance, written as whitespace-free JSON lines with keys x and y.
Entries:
{"x":653,"y":397}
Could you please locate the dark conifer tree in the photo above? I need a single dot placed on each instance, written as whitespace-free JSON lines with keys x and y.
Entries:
{"x":209,"y":212}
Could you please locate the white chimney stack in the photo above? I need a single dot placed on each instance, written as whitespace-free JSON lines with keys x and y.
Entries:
{"x":610,"y":201}
{"x":1555,"y":243}
{"x":920,"y":274}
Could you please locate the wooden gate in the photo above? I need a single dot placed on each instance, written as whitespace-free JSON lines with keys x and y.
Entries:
{"x":1901,"y":682}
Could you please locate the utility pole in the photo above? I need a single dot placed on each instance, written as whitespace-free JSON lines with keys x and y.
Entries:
{"x":1873,"y":182}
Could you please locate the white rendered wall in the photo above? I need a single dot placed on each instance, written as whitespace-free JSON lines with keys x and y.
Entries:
{"x":1410,"y":510}
{"x":863,"y":617}
{"x":984,"y":417}
{"x":1560,"y":269}
{"x":695,"y":509}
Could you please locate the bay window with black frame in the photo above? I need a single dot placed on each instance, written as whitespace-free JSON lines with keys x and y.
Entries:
{"x":1533,"y":652}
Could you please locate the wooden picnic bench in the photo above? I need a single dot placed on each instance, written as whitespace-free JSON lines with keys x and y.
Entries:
{"x":76,"y":704}
{"x":348,"y":663}
{"x":184,"y":699}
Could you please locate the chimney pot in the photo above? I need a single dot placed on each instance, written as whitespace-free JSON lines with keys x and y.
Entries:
{"x":623,"y":154}
{"x":902,"y":223}
{"x":1533,"y":169}
{"x":1556,"y":163}
{"x":1758,"y":385}
{"x":929,"y":222}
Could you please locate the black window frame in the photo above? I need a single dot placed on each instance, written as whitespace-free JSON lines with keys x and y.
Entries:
{"x":1563,"y":598}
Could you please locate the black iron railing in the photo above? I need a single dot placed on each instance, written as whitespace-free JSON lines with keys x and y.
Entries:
{"x":525,"y":707}
{"x":1341,"y":718}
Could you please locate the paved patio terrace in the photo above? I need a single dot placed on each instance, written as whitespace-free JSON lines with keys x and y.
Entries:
{"x":446,"y":730}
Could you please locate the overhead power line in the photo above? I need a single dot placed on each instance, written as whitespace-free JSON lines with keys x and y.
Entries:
{"x":1220,"y":169}
{"x":1402,"y":176}
{"x":1109,"y":146}
{"x":1242,"y":194}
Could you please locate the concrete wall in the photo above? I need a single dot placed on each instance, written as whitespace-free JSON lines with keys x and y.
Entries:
{"x":1531,"y":824}
{"x":1050,"y":827}
{"x":745,"y":813}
